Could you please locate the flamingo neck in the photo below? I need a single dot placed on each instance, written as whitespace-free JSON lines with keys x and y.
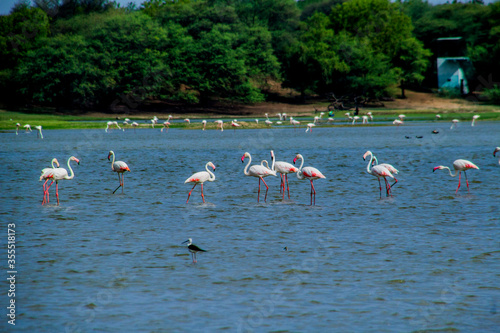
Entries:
{"x":72,"y":174}
{"x":274,"y":159}
{"x":245,"y":171}
{"x":368,"y":167}
{"x":53,"y":161}
{"x":299,"y":172}
{"x":449,"y":170}
{"x":113,"y":160}
{"x":212,"y":176}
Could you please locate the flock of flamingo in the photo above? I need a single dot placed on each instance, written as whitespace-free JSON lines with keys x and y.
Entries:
{"x":383,"y":170}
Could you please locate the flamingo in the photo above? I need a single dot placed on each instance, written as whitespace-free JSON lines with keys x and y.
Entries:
{"x":348,"y":116}
{"x":193,"y":249}
{"x":330,"y":120}
{"x":459,"y":166}
{"x":27,"y":127}
{"x":316,"y":120}
{"x":354,"y":119}
{"x":294,"y":122}
{"x":309,"y":127}
{"x":454,"y":123}
{"x":54,"y":162}
{"x":154,"y":121}
{"x":235,"y":124}
{"x":308,"y":173}
{"x":365,"y":119}
{"x":220,"y":124}
{"x":474,"y":117}
{"x":258,"y":171}
{"x":200,"y":178}
{"x":495,"y":151}
{"x":17,"y":128}
{"x":369,"y":114}
{"x":204,"y":123}
{"x":267,"y":121}
{"x":134,"y":125}
{"x":284,"y":116}
{"x":379,"y":171}
{"x":397,"y":122}
{"x":402,"y":117}
{"x":279,"y":116}
{"x":438,"y":116}
{"x":187,"y":120}
{"x":389,"y":167}
{"x":111,"y":123}
{"x":119,"y":167}
{"x":58,"y":174}
{"x":39,"y":134}
{"x":283,"y":168}
{"x":166,"y":125}
{"x":256,"y":121}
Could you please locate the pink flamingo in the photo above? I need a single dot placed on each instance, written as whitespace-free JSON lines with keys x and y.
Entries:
{"x":310,"y":127}
{"x":389,"y":167}
{"x":200,"y":178}
{"x":283,"y":168}
{"x":308,"y":173}
{"x":379,"y":171}
{"x":47,"y":178}
{"x":17,"y":128}
{"x":204,"y":123}
{"x":27,"y":127}
{"x":111,"y":123}
{"x":495,"y":151}
{"x":474,"y":117}
{"x":166,"y":125}
{"x":235,"y":124}
{"x":58,"y":174}
{"x":39,"y":134}
{"x":397,"y":122}
{"x":220,"y":125}
{"x":119,"y":167}
{"x":187,"y":120}
{"x":454,"y":123}
{"x":459,"y":166}
{"x":258,"y":171}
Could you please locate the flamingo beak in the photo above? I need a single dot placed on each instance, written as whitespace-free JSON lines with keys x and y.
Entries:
{"x":242,"y":158}
{"x":436,"y":168}
{"x":294,"y":160}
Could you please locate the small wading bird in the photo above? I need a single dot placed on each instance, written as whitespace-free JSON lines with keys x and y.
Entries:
{"x":283,"y":168}
{"x":379,"y":171}
{"x":459,"y":166}
{"x":46,"y":170}
{"x":58,"y":174}
{"x":119,"y":167}
{"x":258,"y":171}
{"x":308,"y":173}
{"x":497,"y":149}
{"x":200,"y":178}
{"x":193,"y":249}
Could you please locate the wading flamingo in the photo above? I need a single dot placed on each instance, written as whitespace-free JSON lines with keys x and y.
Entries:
{"x":58,"y":174}
{"x":283,"y":168}
{"x":187,"y":120}
{"x":258,"y":171}
{"x":200,"y":178}
{"x":235,"y":124}
{"x":369,"y":114}
{"x":39,"y":134}
{"x":27,"y":127}
{"x":166,"y":125}
{"x":154,"y":121}
{"x":438,"y":116}
{"x":495,"y":152}
{"x":308,"y":173}
{"x":17,"y":128}
{"x":220,"y":125}
{"x":310,"y":127}
{"x":134,"y":125}
{"x":294,"y":122}
{"x":459,"y":166}
{"x":454,"y":123}
{"x":119,"y":167}
{"x":204,"y":123}
{"x":47,"y":170}
{"x":389,"y":167}
{"x":111,"y":123}
{"x":397,"y":122}
{"x":402,"y":117}
{"x":354,"y":119}
{"x":474,"y":117}
{"x":193,"y":249}
{"x":365,"y":119}
{"x":379,"y":171}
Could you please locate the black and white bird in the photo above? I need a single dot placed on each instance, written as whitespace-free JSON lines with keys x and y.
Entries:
{"x":193,"y":249}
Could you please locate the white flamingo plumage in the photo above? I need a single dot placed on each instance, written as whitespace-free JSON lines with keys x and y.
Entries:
{"x":365,"y":119}
{"x":309,"y":173}
{"x":235,"y":124}
{"x":166,"y":125}
{"x":389,"y":167}
{"x":294,"y":122}
{"x":187,"y":120}
{"x":283,"y":168}
{"x":27,"y":127}
{"x":111,"y":123}
{"x":397,"y":122}
{"x":58,"y":174}
{"x":354,"y":119}
{"x":379,"y":171}
{"x":459,"y":166}
{"x":39,"y":129}
{"x":17,"y":128}
{"x":454,"y":123}
{"x":309,"y":127}
{"x":258,"y":171}
{"x":200,"y":178}
{"x":119,"y":167}
{"x":204,"y":123}
{"x":369,"y":114}
{"x":220,"y":125}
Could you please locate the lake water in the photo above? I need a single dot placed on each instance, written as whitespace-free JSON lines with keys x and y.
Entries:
{"x":424,"y":259}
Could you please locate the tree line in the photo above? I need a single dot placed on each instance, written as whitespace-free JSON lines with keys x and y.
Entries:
{"x":95,"y":54}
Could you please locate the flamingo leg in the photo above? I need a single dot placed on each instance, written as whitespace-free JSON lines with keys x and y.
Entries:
{"x":379,"y":187}
{"x":459,"y":175}
{"x":120,"y":181}
{"x":190,"y":192}
{"x":123,"y":181}
{"x":466,"y":181}
{"x":202,"y":196}
{"x":267,"y":188}
{"x":287,"y":187}
{"x":387,"y":187}
{"x":48,"y":194}
{"x":313,"y":191}
{"x":258,"y":193}
{"x":281,"y":184}
{"x":57,"y":192}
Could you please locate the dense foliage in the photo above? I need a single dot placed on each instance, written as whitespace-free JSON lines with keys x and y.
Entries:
{"x":94,"y":54}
